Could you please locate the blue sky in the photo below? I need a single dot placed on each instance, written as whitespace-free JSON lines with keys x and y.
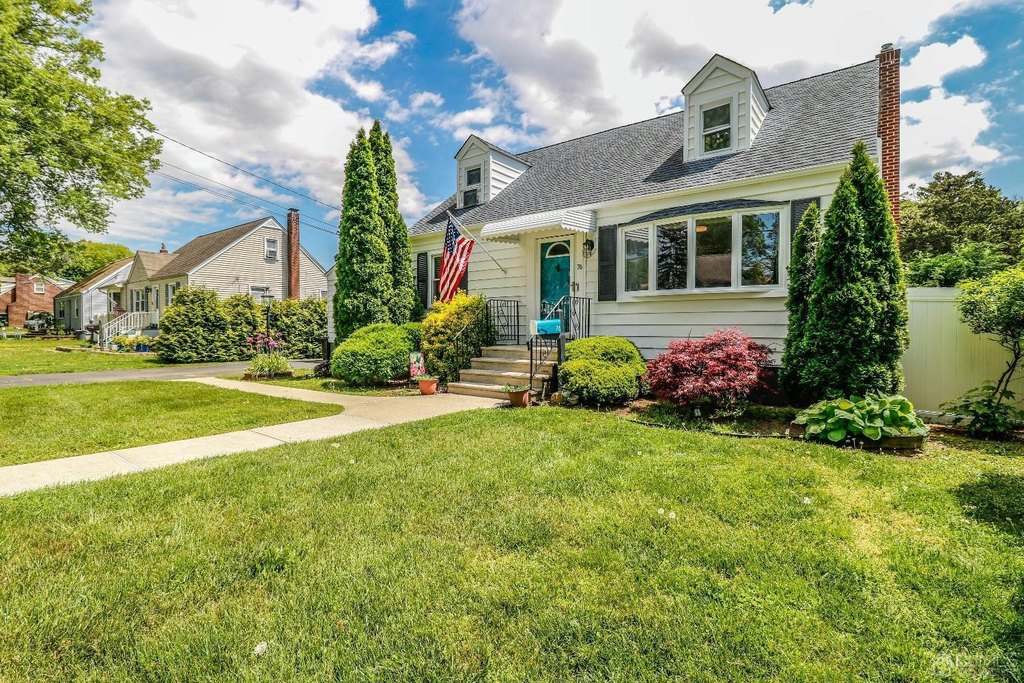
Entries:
{"x":280,"y":87}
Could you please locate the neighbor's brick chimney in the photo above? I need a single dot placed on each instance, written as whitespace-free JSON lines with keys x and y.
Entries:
{"x":889,"y":123}
{"x":293,"y":253}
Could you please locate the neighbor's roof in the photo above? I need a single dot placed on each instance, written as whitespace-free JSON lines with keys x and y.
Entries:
{"x":200,"y":249}
{"x":813,"y":122}
{"x":96,"y":276}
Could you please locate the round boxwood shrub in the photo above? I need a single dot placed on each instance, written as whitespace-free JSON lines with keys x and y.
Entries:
{"x":598,"y":382}
{"x":415,"y":333}
{"x":614,"y":350}
{"x":372,"y":355}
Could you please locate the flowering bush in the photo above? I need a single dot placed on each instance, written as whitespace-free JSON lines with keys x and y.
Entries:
{"x":718,"y":372}
{"x":263,"y":343}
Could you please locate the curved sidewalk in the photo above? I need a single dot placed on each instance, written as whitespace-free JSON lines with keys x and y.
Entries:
{"x":361,"y":412}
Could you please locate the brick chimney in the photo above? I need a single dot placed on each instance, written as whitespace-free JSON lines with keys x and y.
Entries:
{"x":889,"y":123}
{"x":293,"y":253}
{"x":163,"y":248}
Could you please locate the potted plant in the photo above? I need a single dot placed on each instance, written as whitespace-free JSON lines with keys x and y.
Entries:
{"x":428,"y":384}
{"x":518,"y":395}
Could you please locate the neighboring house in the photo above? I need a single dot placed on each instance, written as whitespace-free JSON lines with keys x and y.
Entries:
{"x":92,"y":299}
{"x":671,"y":227}
{"x":23,"y":295}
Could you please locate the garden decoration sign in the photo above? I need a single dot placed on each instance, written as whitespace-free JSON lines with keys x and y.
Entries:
{"x":416,"y":366}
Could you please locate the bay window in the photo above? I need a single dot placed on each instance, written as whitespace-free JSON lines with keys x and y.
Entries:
{"x":731,"y":251}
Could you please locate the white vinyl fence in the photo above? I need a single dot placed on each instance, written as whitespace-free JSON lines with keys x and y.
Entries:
{"x":945,"y":358}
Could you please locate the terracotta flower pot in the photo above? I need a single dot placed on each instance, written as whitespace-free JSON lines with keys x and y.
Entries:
{"x":428,"y":387}
{"x":519,"y":399}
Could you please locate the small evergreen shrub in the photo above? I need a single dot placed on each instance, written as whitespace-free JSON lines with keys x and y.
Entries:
{"x":415,"y":333}
{"x":615,"y":350}
{"x":372,"y":355}
{"x":801,"y":277}
{"x":718,"y":372}
{"x":193,"y":328}
{"x":444,"y":322}
{"x":598,"y":382}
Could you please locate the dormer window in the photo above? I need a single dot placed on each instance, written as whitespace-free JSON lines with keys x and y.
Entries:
{"x":473,"y":177}
{"x":270,"y":248}
{"x":469,"y":197}
{"x":716,"y":127}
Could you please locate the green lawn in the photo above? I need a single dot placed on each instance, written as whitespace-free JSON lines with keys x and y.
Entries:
{"x":41,"y":423}
{"x":304,"y":380}
{"x":541,"y":544}
{"x":36,"y":356}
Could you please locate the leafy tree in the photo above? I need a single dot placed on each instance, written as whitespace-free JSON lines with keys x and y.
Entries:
{"x":69,"y":147}
{"x":953,"y":209}
{"x":397,"y":235}
{"x":87,"y":257}
{"x":842,"y":312}
{"x":884,"y":271}
{"x":971,"y":261}
{"x":363,"y":268}
{"x":995,"y":307}
{"x":801,"y":277}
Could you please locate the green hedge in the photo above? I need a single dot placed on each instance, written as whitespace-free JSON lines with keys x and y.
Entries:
{"x":615,"y":350}
{"x":439,"y":330}
{"x":198,"y":326}
{"x":372,"y":355}
{"x":598,"y":382}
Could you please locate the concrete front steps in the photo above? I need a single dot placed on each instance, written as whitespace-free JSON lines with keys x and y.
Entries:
{"x":498,"y":366}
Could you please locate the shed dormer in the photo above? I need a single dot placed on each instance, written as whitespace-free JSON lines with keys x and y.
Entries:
{"x":483,"y":170}
{"x":725,"y":106}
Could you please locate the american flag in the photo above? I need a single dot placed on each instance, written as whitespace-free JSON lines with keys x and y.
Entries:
{"x":454,"y":260}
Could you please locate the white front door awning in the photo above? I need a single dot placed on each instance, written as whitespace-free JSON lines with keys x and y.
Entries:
{"x":567,"y":220}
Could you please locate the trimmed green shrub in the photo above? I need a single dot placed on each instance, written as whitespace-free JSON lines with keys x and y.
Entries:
{"x":801,"y":277}
{"x":615,"y":350}
{"x":246,"y":318}
{"x":372,"y":355}
{"x":193,"y":327}
{"x":598,"y":382}
{"x":302,"y":325}
{"x":415,"y":333}
{"x":442,"y":324}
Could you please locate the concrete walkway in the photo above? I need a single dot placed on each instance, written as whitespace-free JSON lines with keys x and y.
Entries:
{"x":361,"y":412}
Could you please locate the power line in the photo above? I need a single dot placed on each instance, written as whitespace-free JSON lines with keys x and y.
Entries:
{"x":233,"y":199}
{"x":247,"y":194}
{"x":247,"y":172}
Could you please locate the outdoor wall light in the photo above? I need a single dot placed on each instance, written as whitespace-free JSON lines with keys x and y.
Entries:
{"x":588,"y":248}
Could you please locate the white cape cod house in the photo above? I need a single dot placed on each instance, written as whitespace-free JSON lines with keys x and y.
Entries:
{"x":674,"y":226}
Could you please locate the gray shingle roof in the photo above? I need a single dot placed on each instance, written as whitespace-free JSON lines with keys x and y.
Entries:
{"x":813,"y":122}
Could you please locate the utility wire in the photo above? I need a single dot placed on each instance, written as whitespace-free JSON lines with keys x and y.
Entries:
{"x":247,"y":172}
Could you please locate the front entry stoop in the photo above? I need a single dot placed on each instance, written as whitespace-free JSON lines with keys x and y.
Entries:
{"x":498,"y":366}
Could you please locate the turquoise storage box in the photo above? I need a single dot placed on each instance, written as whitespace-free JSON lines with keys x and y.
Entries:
{"x":546,"y":328}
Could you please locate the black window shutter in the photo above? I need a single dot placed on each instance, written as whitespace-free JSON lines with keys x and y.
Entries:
{"x":797,"y":207}
{"x":422,"y":279}
{"x":464,"y":282}
{"x":606,"y":272}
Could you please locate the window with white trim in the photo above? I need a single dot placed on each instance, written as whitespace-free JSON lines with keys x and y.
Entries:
{"x":39,"y":287}
{"x":257,"y":291}
{"x":728,"y":251}
{"x":435,"y":277}
{"x":473,"y":176}
{"x":716,"y":127}
{"x":270,"y":245}
{"x":60,"y":309}
{"x":470,"y":197}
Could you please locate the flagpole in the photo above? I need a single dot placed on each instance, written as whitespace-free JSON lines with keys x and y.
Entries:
{"x":462,"y":229}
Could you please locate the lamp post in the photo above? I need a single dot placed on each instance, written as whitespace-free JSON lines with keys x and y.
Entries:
{"x":267,"y":299}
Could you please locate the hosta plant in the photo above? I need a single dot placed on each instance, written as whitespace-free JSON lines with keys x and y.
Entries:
{"x":872,"y":417}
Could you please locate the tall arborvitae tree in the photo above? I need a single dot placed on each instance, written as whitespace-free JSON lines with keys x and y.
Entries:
{"x":801,"y":277}
{"x":395,"y":232}
{"x":363,"y":267}
{"x":884,"y":268}
{"x":841,"y":339}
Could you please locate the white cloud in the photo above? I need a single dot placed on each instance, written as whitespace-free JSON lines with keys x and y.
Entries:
{"x":574,"y":67}
{"x":941,"y":133}
{"x":371,"y":91}
{"x":934,"y":62}
{"x":235,"y":79}
{"x":422,"y":100}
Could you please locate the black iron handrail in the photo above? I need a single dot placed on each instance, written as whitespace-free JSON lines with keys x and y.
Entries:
{"x":574,"y":312}
{"x":468,"y":342}
{"x":505,"y":319}
{"x":541,"y":349}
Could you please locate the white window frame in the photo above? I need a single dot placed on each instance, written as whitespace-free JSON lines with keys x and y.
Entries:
{"x":469,"y":185}
{"x":60,"y":309}
{"x":267,"y":251}
{"x":691,"y":256}
{"x":431,"y":276}
{"x":731,"y":101}
{"x":323,"y":293}
{"x":262,"y":290}
{"x":39,"y":287}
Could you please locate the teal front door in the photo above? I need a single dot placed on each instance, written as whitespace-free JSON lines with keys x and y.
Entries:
{"x":554,"y":273}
